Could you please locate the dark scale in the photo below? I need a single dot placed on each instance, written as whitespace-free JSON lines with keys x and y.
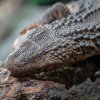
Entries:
{"x":88,"y":4}
{"x":98,"y":43}
{"x":98,"y":27}
{"x":97,"y":34}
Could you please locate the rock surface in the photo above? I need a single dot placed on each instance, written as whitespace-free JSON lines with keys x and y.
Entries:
{"x":47,"y":90}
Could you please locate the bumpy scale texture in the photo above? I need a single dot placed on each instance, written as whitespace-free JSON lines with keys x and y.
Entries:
{"x":62,"y":42}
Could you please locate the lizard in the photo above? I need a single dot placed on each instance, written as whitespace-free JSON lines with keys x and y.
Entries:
{"x":60,"y":43}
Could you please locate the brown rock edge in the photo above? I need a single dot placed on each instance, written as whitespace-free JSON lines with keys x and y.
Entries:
{"x":47,"y":90}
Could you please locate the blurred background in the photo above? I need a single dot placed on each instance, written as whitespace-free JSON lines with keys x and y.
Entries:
{"x":16,"y":15}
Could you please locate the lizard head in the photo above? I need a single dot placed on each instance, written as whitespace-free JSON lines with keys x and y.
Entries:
{"x":30,"y":55}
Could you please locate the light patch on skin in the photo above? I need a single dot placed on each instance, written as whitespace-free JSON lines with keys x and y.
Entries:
{"x":74,"y":6}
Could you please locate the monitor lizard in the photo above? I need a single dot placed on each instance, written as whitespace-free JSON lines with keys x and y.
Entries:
{"x":57,"y":44}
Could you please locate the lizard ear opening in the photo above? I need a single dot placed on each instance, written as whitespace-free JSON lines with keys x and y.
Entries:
{"x":4,"y":75}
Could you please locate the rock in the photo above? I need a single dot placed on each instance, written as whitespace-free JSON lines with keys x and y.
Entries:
{"x":35,"y":90}
{"x":47,"y":90}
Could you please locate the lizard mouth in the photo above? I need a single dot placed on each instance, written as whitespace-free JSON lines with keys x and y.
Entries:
{"x":47,"y":74}
{"x":73,"y":74}
{"x":63,"y":75}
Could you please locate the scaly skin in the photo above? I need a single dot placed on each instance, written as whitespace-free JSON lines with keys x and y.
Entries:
{"x":58,"y":44}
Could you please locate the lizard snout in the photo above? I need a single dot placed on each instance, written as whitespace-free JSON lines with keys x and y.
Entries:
{"x":9,"y":65}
